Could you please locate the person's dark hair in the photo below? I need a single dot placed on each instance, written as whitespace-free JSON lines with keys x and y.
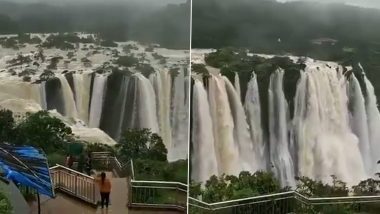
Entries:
{"x":103,"y":176}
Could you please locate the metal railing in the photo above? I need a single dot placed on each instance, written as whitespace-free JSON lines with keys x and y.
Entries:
{"x":158,"y":194}
{"x":286,"y":203}
{"x":280,"y":203}
{"x":107,"y":161}
{"x":74,"y":183}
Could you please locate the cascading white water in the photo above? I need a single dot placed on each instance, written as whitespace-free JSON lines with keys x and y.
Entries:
{"x":97,"y":99}
{"x":70,"y":108}
{"x":179,"y":119}
{"x":223,"y":127}
{"x":161,"y":81}
{"x":373,"y":116}
{"x":82,"y":87}
{"x":43,"y":95}
{"x":326,"y":145}
{"x":147,"y":104}
{"x":10,"y":89}
{"x":278,"y":131}
{"x":77,"y":97}
{"x":253,"y":112}
{"x":242,"y":137}
{"x":123,"y":93}
{"x":237,"y":84}
{"x":359,"y":122}
{"x":204,"y":162}
{"x":334,"y":130}
{"x":296,"y":136}
{"x":135,"y":104}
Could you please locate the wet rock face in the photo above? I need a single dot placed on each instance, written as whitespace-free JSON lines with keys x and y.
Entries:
{"x":70,"y":80}
{"x":54,"y":95}
{"x":111,"y":108}
{"x":130,"y":105}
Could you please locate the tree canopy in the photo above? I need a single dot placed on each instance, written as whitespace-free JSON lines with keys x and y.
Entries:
{"x":36,"y":129}
{"x":141,"y":144}
{"x":149,"y":156}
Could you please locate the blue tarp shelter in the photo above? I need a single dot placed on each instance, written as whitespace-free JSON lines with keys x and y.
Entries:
{"x":27,"y":166}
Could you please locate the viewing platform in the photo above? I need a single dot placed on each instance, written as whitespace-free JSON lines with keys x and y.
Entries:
{"x":78,"y":193}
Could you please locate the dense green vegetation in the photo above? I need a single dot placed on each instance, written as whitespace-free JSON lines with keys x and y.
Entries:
{"x":56,"y":139}
{"x":40,"y":130}
{"x":149,"y":156}
{"x":127,"y":61}
{"x":347,"y":34}
{"x":5,"y":204}
{"x":35,"y":129}
{"x":19,"y":41}
{"x":167,"y":25}
{"x":227,"y":187}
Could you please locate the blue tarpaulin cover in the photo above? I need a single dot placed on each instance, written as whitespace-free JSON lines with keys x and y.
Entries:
{"x":27,"y":166}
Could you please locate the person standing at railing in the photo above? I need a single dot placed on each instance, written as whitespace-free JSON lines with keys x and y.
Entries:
{"x":105,"y":189}
{"x":69,"y":161}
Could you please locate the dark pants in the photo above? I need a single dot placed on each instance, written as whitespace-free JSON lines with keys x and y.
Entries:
{"x":105,"y":196}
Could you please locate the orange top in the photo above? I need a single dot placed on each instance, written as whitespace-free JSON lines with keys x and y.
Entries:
{"x":106,"y":186}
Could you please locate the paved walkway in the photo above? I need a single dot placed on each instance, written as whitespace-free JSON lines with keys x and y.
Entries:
{"x":64,"y":204}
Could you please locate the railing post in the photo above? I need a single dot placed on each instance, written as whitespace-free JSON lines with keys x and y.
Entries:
{"x":94,"y":193}
{"x":75,"y":185}
{"x":59,"y":178}
{"x":129,"y":191}
{"x":133,"y":170}
{"x":176,"y":196}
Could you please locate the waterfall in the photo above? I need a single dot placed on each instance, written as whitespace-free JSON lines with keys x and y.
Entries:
{"x":161,"y":81}
{"x":97,"y":99}
{"x":223,"y":127}
{"x":82,"y":86}
{"x":179,"y":119}
{"x":43,"y":95}
{"x":147,"y":116}
{"x":237,"y":84}
{"x":253,"y":111}
{"x":203,"y":157}
{"x":373,"y":116}
{"x":359,"y":123}
{"x":325,"y":143}
{"x":334,"y":129}
{"x":278,"y":128}
{"x":68,"y":97}
{"x":122,"y":102}
{"x":134,"y":115}
{"x":242,"y":136}
{"x":296,"y":132}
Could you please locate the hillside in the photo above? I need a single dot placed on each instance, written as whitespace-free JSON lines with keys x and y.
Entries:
{"x":332,"y":32}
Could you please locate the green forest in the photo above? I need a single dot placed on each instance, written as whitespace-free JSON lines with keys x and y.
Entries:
{"x":167,"y":25}
{"x":246,"y":184}
{"x":56,"y":139}
{"x":333,"y":32}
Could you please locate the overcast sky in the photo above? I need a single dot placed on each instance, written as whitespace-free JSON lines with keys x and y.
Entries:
{"x":156,"y":2}
{"x":361,"y":3}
